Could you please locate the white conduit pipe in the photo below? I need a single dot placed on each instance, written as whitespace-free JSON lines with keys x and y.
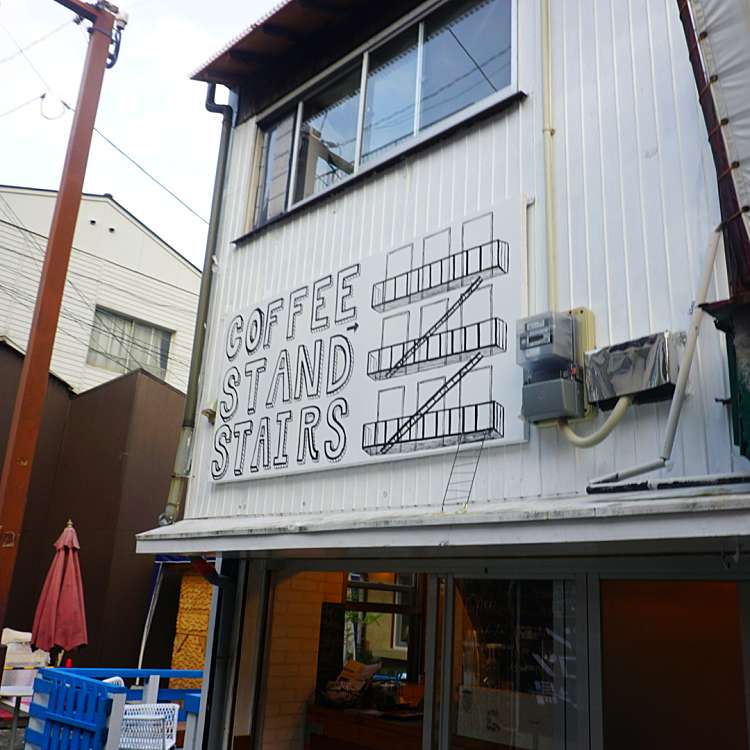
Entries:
{"x":589,"y":441}
{"x":678,"y":397}
{"x":549,"y":165}
{"x":551,"y":230}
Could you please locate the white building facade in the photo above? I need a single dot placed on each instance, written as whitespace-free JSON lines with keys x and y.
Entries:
{"x":130,"y":299}
{"x":413,"y":188}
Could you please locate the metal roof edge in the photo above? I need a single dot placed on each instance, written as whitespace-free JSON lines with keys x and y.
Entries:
{"x":577,"y":519}
{"x":195,"y":75}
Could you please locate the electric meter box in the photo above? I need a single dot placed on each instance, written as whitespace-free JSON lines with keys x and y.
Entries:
{"x":546,"y":341}
{"x":546,"y":349}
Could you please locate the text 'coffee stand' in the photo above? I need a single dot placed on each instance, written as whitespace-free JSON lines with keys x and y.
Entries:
{"x":398,"y":354}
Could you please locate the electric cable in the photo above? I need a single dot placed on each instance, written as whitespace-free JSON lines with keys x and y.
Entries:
{"x":122,"y":152}
{"x":39,"y":40}
{"x":69,"y":281}
{"x":18,"y":107}
{"x":25,"y":229}
{"x":10,"y":292}
{"x":124,"y":339}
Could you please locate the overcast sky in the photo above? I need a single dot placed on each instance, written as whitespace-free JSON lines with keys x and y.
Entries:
{"x":149,"y":106}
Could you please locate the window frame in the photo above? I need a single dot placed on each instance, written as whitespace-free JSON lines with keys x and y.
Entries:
{"x":293,"y":104}
{"x":132,"y":364}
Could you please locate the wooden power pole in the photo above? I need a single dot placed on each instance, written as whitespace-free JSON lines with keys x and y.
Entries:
{"x":32,"y":387}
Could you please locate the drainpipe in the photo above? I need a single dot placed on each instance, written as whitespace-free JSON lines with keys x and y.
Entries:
{"x":183,"y":459}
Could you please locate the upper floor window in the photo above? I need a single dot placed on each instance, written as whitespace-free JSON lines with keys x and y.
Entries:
{"x":455,"y":61}
{"x":121,"y":344}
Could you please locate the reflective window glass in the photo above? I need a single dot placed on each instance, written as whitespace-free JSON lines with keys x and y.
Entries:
{"x":328,"y":135}
{"x":274,"y":169}
{"x":514,"y":665}
{"x":467,"y":56}
{"x":120,"y":344}
{"x":391,"y":93}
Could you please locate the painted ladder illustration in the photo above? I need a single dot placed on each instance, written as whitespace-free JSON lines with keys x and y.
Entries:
{"x":449,"y":384}
{"x":463,"y":473}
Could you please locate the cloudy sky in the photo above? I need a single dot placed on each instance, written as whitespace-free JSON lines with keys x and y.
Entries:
{"x":150,"y":108}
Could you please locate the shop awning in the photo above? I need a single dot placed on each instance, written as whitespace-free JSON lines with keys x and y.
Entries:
{"x":506,"y":526}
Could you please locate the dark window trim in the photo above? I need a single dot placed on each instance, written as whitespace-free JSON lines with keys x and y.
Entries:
{"x":385,"y":165}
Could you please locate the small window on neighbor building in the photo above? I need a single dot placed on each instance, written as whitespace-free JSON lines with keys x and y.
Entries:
{"x":275,"y":162}
{"x":121,"y":344}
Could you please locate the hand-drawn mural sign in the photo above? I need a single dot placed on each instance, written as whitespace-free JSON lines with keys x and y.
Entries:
{"x":386,"y":358}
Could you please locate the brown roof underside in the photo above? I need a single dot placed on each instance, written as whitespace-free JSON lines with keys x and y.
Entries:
{"x":294,"y":42}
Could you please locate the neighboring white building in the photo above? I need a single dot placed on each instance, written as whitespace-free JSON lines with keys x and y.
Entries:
{"x":130,"y":298}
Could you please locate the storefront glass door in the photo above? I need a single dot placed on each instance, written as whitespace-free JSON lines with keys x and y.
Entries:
{"x":513,"y":667}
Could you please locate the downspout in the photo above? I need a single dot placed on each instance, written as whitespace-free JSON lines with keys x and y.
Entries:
{"x":183,"y":459}
{"x":622,"y":406}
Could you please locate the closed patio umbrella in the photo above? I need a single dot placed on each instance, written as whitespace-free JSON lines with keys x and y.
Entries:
{"x":60,"y":618}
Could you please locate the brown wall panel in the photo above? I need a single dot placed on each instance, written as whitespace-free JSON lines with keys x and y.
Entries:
{"x":34,"y":543}
{"x":672,"y":666}
{"x":105,"y":461}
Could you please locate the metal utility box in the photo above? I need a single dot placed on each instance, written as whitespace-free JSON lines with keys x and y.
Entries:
{"x":645,"y":368}
{"x":552,"y":399}
{"x":546,"y":349}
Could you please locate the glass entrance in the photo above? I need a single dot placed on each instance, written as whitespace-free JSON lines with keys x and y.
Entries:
{"x":513,"y":665}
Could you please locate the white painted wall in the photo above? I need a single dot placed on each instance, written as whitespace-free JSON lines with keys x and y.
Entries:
{"x":128,"y":270}
{"x":636,"y":202}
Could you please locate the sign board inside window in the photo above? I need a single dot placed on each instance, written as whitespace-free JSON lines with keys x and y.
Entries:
{"x":393,"y":356}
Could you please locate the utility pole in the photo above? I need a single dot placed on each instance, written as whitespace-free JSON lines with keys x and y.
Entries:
{"x":32,"y":387}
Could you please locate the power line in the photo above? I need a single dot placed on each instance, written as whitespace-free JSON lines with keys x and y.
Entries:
{"x":21,"y":106}
{"x":98,"y":280}
{"x":145,"y":171}
{"x":39,"y":40}
{"x":26,"y":302}
{"x":44,"y":237}
{"x":181,"y":380}
{"x":69,"y":281}
{"x":124,"y":339}
{"x":88,"y":326}
{"x":21,"y":51}
{"x":119,"y":150}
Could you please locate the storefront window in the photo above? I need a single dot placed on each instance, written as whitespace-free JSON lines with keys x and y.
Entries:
{"x":514,"y":665}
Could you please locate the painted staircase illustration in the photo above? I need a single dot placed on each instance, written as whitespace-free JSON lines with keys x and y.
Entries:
{"x":451,"y":272}
{"x":426,"y":428}
{"x":467,"y":344}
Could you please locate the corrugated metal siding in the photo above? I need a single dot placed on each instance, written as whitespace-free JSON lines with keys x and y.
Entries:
{"x":636,"y":203}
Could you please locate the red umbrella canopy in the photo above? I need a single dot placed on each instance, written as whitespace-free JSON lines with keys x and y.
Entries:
{"x":60,"y":618}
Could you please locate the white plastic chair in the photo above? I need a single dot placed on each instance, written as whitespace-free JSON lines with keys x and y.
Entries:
{"x":149,"y":726}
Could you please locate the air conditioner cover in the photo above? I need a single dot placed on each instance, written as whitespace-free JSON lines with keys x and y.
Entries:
{"x":645,"y":368}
